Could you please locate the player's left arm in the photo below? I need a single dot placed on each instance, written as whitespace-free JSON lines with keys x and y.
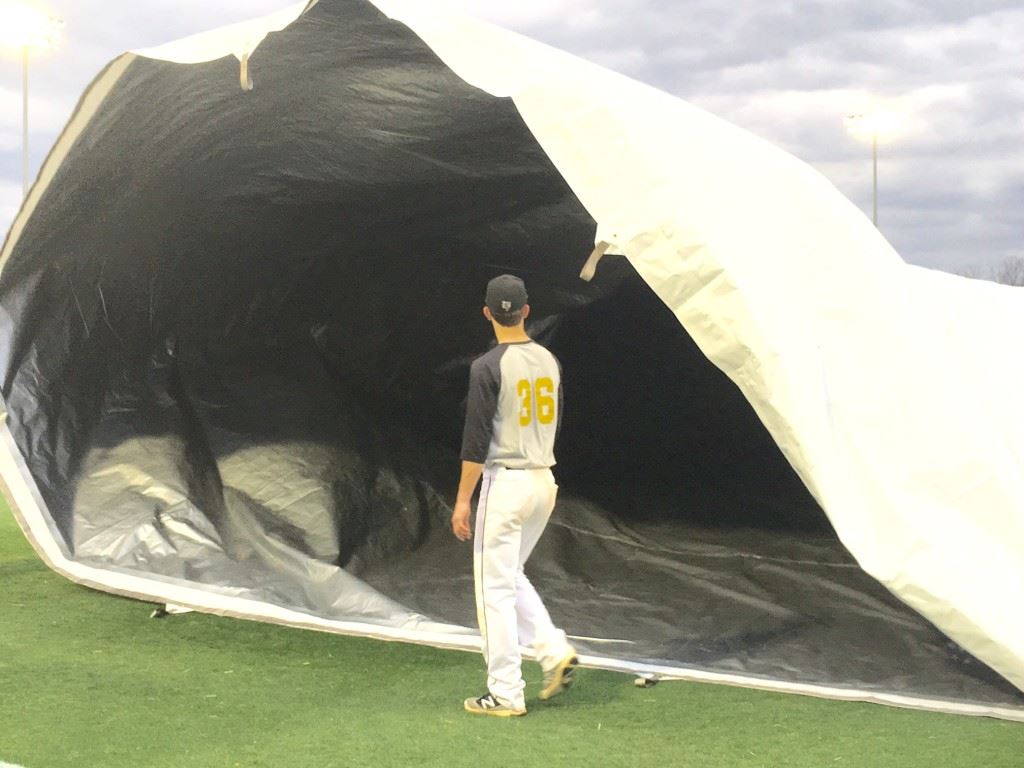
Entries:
{"x":481,"y":405}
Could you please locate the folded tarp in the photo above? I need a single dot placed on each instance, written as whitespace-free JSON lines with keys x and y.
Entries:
{"x":237,"y":321}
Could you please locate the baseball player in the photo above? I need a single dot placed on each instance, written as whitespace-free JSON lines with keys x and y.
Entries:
{"x":513,"y":413}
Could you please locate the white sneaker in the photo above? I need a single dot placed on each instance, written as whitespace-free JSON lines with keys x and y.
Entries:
{"x":488,"y":705}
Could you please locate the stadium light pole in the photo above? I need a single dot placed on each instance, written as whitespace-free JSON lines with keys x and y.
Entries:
{"x":873,"y":126}
{"x":25,"y":28}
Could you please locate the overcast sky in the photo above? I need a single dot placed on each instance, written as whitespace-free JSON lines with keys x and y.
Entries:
{"x":951,"y":184}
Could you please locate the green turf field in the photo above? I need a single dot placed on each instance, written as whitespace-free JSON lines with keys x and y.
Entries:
{"x":88,"y":680}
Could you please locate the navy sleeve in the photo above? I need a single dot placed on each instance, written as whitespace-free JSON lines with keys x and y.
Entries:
{"x":558,"y":414}
{"x":481,"y":405}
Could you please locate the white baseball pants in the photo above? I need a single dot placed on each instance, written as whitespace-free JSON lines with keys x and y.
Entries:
{"x":513,"y":510}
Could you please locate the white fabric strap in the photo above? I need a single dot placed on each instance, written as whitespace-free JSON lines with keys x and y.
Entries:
{"x":590,"y":268}
{"x":245,"y":77}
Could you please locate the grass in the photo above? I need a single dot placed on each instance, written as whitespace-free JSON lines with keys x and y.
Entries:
{"x":87,"y":679}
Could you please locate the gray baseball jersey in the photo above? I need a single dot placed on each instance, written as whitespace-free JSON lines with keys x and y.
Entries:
{"x":514,"y":408}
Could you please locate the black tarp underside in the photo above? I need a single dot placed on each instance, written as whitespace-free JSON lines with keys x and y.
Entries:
{"x":235,"y":346}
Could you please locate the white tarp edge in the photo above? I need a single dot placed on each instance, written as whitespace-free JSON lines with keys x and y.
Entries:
{"x":239,"y":40}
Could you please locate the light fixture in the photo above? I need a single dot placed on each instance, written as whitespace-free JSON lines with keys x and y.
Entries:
{"x":25,"y":26}
{"x":874,"y":126}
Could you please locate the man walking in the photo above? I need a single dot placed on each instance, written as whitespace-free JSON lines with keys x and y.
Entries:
{"x":513,"y":413}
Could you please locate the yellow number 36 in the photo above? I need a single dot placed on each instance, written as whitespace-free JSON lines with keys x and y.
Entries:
{"x":538,"y":398}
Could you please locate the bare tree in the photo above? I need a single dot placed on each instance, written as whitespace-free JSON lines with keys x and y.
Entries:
{"x":1008,"y":272}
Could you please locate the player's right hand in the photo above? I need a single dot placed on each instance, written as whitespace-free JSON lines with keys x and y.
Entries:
{"x":460,"y":521}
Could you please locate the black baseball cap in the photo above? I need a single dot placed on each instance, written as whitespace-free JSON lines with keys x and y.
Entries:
{"x":506,"y":294}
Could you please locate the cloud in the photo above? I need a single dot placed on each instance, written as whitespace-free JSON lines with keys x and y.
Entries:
{"x":47,"y":116}
{"x":10,"y":200}
{"x":789,"y":73}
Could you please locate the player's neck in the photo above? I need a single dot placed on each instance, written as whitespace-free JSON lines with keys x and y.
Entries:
{"x":506,"y":335}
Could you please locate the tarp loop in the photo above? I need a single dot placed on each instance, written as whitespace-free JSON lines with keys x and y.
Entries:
{"x":244,"y":75}
{"x":590,"y":268}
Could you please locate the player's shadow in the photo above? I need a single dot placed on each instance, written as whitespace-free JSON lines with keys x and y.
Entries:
{"x":592,"y":688}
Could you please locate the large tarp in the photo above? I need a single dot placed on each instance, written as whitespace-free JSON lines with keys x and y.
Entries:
{"x":236,"y":330}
